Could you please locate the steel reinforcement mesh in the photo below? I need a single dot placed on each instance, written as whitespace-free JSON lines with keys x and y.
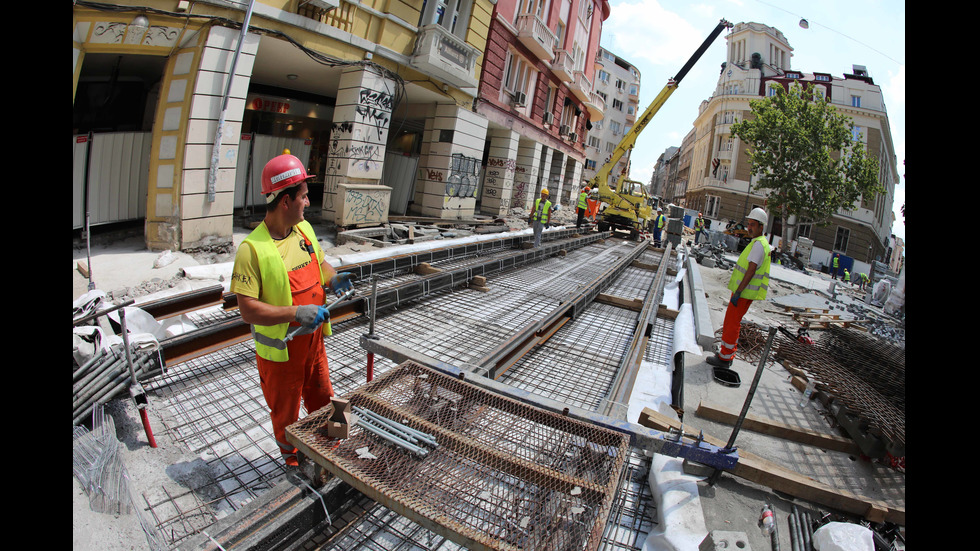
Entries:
{"x":503,"y":474}
{"x":864,"y":374}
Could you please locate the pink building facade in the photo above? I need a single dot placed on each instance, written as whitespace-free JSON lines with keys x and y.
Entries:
{"x":536,"y":92}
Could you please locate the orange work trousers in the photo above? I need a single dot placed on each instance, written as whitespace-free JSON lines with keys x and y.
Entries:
{"x":730,"y":331}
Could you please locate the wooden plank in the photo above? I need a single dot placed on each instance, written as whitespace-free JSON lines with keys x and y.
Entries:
{"x":772,"y":475}
{"x":779,"y":430}
{"x":633,"y":304}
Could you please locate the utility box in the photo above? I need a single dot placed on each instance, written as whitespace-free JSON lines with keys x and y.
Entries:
{"x":338,"y":426}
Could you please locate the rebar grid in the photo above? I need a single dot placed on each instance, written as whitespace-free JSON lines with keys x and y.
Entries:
{"x":865,"y":375}
{"x":504,"y":475}
{"x":631,"y":520}
{"x":378,"y":528}
{"x":216,"y":409}
{"x":633,"y":284}
{"x":578,"y":363}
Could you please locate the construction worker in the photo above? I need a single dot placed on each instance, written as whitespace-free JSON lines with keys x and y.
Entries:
{"x":835,"y":263}
{"x":749,"y":282}
{"x":540,"y":215}
{"x":847,"y":276}
{"x":279,"y":276}
{"x":583,"y":205}
{"x":658,"y":226}
{"x":698,"y":228}
{"x":862,"y":280}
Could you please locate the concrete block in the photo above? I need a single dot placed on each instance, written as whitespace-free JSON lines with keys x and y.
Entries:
{"x":721,"y":540}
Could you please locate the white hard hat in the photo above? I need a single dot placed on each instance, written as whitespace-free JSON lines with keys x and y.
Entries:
{"x":759,"y":216}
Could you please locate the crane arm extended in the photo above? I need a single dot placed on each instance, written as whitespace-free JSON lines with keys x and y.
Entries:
{"x":601,"y":179}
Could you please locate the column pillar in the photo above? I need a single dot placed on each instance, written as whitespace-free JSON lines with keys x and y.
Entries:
{"x":352,"y":193}
{"x":498,"y":182}
{"x":526,"y":173}
{"x":449,"y":169}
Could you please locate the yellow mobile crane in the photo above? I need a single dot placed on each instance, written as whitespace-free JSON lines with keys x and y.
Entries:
{"x":628,"y":206}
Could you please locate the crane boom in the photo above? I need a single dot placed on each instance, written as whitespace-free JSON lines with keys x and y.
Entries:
{"x":601,"y":179}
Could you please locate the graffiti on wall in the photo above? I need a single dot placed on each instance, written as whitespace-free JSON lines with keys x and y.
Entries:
{"x":365,"y":207}
{"x":463,"y":176}
{"x":374,"y":108}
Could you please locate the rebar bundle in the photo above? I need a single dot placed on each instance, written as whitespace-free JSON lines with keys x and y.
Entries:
{"x":106,"y":375}
{"x":864,"y":375}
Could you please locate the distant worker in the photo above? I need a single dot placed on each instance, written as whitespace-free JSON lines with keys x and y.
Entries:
{"x":583,"y":205}
{"x":698,"y":228}
{"x":279,"y":276}
{"x":847,"y":276}
{"x":540,"y":216}
{"x":658,"y":227}
{"x":862,"y":280}
{"x":835,"y":263}
{"x":749,"y":282}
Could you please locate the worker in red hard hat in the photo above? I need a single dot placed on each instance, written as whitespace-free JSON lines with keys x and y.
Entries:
{"x":280,"y":276}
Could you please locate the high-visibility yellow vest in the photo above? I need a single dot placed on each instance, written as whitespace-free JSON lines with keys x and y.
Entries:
{"x":581,"y":200}
{"x":759,"y":285}
{"x":699,"y":224}
{"x":275,"y":287}
{"x":660,"y":221}
{"x":541,"y":216}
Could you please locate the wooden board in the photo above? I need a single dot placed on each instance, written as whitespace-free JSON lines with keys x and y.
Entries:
{"x":779,"y":430}
{"x":754,"y":468}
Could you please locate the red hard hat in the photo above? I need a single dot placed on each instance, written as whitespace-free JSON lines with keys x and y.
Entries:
{"x":282,"y":172}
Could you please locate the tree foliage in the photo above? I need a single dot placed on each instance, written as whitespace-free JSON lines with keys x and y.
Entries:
{"x":805,"y":156}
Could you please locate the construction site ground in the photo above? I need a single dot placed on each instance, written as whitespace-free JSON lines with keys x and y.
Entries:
{"x":123,"y":266}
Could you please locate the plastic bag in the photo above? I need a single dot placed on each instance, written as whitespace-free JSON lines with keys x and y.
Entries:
{"x":843,"y":536}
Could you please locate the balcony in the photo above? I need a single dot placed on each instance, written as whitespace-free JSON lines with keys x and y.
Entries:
{"x":596,"y":107}
{"x":533,"y":33}
{"x":445,"y":56}
{"x":581,"y":87}
{"x":563,"y":65}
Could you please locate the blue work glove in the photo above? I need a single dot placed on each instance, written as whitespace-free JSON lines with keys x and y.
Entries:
{"x":734,"y":299}
{"x":310,"y":315}
{"x":341,"y":283}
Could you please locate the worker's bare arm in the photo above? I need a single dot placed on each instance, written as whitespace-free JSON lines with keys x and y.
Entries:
{"x":256,"y":312}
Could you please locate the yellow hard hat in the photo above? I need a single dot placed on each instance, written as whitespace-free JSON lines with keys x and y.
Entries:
{"x":545,"y":191}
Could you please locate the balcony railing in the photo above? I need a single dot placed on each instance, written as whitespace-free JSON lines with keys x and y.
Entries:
{"x":581,"y":86}
{"x":563,"y":65}
{"x":533,"y":33}
{"x":596,"y":107}
{"x":444,"y":55}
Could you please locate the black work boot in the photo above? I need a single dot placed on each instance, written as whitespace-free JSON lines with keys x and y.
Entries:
{"x":715,"y":361}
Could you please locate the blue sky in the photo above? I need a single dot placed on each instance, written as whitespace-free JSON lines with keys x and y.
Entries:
{"x":658,"y":37}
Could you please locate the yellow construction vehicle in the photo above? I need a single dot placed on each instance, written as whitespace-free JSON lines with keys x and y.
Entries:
{"x":628,"y":208}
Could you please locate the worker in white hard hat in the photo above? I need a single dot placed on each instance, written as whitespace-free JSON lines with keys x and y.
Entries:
{"x":540,"y":215}
{"x":279,"y":277}
{"x":749,"y":282}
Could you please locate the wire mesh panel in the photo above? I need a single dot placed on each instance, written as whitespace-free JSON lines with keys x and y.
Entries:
{"x":502,"y":474}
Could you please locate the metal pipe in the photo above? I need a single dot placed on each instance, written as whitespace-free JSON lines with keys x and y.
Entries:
{"x":794,"y":543}
{"x":216,"y":149}
{"x":748,"y":400}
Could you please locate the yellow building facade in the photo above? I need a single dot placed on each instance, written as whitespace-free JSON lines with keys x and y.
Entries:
{"x":163,"y":133}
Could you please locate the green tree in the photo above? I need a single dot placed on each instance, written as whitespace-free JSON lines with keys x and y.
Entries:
{"x":807,"y":160}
